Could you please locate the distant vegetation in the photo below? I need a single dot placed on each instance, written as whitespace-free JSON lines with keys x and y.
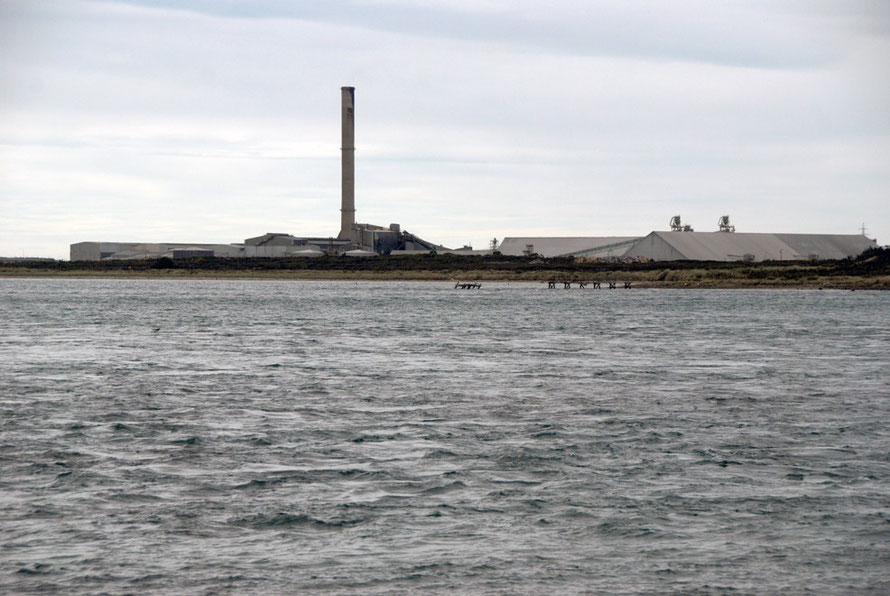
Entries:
{"x":871,"y":269}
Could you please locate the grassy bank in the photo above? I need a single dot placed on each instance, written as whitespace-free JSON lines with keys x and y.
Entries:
{"x":871,"y":270}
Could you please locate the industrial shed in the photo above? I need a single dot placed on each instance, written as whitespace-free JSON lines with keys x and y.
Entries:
{"x":100,"y":251}
{"x":554,"y":246}
{"x":739,"y":246}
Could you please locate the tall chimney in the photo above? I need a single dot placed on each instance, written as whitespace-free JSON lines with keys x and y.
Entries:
{"x":347,"y":168}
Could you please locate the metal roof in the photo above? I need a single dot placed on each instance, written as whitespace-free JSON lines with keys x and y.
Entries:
{"x":733,"y":246}
{"x":828,"y":246}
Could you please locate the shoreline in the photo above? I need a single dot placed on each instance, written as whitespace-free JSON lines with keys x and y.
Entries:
{"x":868,"y":271}
{"x":697,"y":281}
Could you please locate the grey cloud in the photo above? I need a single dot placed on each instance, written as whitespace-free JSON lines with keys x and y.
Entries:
{"x":732,"y":34}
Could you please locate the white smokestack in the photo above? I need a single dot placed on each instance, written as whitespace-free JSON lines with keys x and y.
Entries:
{"x":347,"y":155}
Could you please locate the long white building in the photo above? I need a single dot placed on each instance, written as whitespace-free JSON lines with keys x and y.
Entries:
{"x":743,"y":246}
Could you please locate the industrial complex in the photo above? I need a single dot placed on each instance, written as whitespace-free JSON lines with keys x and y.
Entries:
{"x":365,"y":240}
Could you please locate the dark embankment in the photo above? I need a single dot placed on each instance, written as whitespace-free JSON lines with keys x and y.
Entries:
{"x":869,"y":270}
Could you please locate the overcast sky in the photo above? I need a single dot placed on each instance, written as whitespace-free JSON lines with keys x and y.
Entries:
{"x":218,"y":120}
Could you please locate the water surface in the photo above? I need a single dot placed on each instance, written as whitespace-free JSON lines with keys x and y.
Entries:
{"x":354,"y":437}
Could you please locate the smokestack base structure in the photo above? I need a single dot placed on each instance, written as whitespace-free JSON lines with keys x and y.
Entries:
{"x":347,"y":168}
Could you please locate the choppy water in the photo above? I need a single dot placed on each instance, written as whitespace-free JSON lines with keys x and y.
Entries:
{"x":247,"y":437}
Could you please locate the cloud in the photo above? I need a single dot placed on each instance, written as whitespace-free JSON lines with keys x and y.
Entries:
{"x":474,"y":119}
{"x":752,"y":34}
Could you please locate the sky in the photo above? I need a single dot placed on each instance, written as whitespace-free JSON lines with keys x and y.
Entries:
{"x":212,"y":121}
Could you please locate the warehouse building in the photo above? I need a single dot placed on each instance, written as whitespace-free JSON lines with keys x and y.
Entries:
{"x":737,"y":246}
{"x":100,"y":251}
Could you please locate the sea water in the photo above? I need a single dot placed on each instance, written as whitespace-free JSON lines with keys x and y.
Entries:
{"x":203,"y":437}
